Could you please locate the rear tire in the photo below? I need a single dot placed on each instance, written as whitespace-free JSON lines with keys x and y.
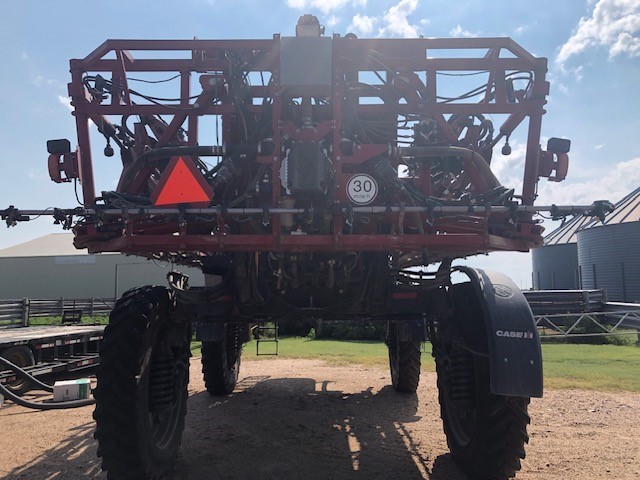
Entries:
{"x":221,"y":361}
{"x":486,"y":433}
{"x":22,"y":356}
{"x":404,"y":361}
{"x":141,"y":397}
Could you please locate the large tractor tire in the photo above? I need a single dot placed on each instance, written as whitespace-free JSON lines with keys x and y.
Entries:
{"x":486,"y":433}
{"x":141,"y":397}
{"x":404,"y":361}
{"x":221,"y":361}
{"x":22,"y":356}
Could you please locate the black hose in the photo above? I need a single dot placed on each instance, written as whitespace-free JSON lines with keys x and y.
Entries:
{"x":38,"y":405}
{"x":444,"y":151}
{"x":130,"y":172}
{"x":42,"y":405}
{"x":16,"y":369}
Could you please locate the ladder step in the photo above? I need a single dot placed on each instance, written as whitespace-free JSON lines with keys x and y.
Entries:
{"x":260,"y":330}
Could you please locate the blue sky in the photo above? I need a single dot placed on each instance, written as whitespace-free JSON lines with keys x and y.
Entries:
{"x":594,"y":68}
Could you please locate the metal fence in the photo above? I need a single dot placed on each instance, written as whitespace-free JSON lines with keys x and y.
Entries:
{"x":582,"y":313}
{"x":19,"y":311}
{"x":544,"y":302}
{"x":587,"y":310}
{"x":592,"y":324}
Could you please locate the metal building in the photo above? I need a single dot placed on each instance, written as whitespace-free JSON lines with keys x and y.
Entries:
{"x":555,"y":265}
{"x":609,"y":253}
{"x":50,"y":267}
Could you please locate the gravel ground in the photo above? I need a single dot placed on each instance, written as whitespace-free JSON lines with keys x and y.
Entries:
{"x":301,"y":419}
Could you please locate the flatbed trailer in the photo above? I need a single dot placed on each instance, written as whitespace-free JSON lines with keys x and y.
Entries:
{"x":48,"y":350}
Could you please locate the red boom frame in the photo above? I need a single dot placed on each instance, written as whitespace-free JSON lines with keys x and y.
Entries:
{"x":452,"y":235}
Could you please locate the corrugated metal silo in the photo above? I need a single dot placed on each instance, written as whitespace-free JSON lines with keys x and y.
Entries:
{"x":609,"y":253}
{"x":555,"y":265}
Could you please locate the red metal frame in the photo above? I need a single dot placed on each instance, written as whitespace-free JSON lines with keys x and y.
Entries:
{"x":458,"y":235}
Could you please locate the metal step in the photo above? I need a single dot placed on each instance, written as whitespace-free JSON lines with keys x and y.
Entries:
{"x":259,"y":333}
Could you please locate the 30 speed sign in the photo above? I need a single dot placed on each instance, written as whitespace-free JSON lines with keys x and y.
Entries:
{"x":362,"y":189}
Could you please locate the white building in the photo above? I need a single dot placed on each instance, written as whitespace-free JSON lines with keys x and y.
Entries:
{"x":51,"y":267}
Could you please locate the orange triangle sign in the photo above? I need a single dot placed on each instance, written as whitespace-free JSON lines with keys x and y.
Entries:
{"x":181,"y":182}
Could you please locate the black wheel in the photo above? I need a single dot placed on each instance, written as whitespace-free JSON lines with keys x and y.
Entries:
{"x":221,"y":361}
{"x":21,"y":356}
{"x":141,"y":397}
{"x":486,"y":433}
{"x":404,"y":361}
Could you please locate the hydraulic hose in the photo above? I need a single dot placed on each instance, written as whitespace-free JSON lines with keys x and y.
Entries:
{"x":38,"y":405}
{"x":130,"y":172}
{"x":448,"y":151}
{"x":16,"y":369}
{"x":43,"y":405}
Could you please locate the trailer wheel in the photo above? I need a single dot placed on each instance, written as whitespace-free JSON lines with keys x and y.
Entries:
{"x":141,"y":397}
{"x":221,"y":361}
{"x":486,"y":433}
{"x":21,"y":356}
{"x":404,"y":361}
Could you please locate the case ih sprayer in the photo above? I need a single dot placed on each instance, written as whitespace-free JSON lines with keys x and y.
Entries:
{"x":312,"y":178}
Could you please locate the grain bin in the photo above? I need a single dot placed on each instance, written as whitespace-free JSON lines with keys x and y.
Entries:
{"x":609,"y":253}
{"x":555,"y":265}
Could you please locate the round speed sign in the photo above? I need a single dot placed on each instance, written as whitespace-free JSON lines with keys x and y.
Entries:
{"x":362,"y":189}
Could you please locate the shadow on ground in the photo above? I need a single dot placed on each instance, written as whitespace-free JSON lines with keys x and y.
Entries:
{"x":276,"y":428}
{"x":301,"y":428}
{"x":73,"y":458}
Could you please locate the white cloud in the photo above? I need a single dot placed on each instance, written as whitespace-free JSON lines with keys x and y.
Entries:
{"x":521,"y":29}
{"x":608,"y":183}
{"x":333,"y":21}
{"x":66,"y":101}
{"x":38,"y":174}
{"x":578,"y":73}
{"x":395,"y":20}
{"x":614,"y":24}
{"x":362,"y":24}
{"x":510,"y":169}
{"x":461,"y":32}
{"x":40,"y":81}
{"x":325,"y":6}
{"x":611,"y":184}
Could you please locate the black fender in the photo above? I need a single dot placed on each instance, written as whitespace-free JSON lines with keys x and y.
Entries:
{"x":515,"y":356}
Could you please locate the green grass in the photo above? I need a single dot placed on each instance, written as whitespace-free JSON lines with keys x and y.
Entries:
{"x":592,"y":367}
{"x":35,"y":321}
{"x":335,"y":352}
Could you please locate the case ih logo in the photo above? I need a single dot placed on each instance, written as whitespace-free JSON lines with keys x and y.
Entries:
{"x":502,"y":291}
{"x":512,"y":334}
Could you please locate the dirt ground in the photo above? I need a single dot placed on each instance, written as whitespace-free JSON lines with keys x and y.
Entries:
{"x":309,"y":420}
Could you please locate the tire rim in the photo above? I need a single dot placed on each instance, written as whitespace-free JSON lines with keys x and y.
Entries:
{"x":21,"y":359}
